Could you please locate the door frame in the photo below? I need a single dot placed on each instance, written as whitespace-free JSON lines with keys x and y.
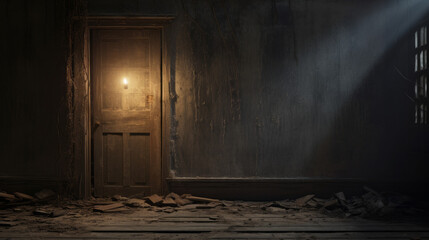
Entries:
{"x":120,"y":22}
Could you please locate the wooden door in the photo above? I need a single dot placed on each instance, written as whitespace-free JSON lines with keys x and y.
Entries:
{"x":126,"y":111}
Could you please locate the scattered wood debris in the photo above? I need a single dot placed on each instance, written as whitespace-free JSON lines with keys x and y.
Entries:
{"x":8,"y":200}
{"x":368,"y":204}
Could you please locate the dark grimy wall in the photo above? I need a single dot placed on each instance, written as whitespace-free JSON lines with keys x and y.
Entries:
{"x":269,"y":89}
{"x":286,"y":89}
{"x":33,"y":47}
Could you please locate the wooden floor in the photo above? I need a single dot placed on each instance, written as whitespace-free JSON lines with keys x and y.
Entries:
{"x":232,"y":222}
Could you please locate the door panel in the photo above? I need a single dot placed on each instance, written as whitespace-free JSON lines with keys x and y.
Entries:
{"x":139,"y":157}
{"x":126,"y":117}
{"x":113,"y":158}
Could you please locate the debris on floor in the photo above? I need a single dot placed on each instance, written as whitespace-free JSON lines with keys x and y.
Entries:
{"x":184,"y":214}
{"x":371,"y":203}
{"x":8,"y":200}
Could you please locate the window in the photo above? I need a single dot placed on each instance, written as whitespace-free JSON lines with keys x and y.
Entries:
{"x":421,"y":75}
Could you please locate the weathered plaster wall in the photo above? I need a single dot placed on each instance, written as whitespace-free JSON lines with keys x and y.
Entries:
{"x":289,"y":89}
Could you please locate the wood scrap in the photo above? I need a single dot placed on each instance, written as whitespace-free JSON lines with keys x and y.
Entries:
{"x":201,"y":199}
{"x":286,"y":205}
{"x":134,"y":202}
{"x":207,"y":206}
{"x":178,"y":199}
{"x":8,"y":197}
{"x":331,"y":204}
{"x":275,"y":209}
{"x":313,"y":204}
{"x":280,"y":204}
{"x":185,"y":195}
{"x":41,"y":212}
{"x":120,"y":209}
{"x":57,"y":213}
{"x":119,"y":198}
{"x":99,"y":203}
{"x":154,"y":199}
{"x":108,"y":208}
{"x":169,"y":202}
{"x":340,"y":196}
{"x":303,"y":200}
{"x":215,"y":204}
{"x":23,"y":196}
{"x":169,"y":210}
{"x":189,"y":206}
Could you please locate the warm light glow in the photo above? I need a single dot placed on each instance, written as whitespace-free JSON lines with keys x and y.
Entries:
{"x":125,"y":81}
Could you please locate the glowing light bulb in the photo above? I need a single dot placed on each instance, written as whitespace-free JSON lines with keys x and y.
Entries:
{"x":125,"y":81}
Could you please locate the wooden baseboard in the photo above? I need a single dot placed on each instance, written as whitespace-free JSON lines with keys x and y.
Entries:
{"x":263,"y":189}
{"x":30,"y":185}
{"x":255,"y":189}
